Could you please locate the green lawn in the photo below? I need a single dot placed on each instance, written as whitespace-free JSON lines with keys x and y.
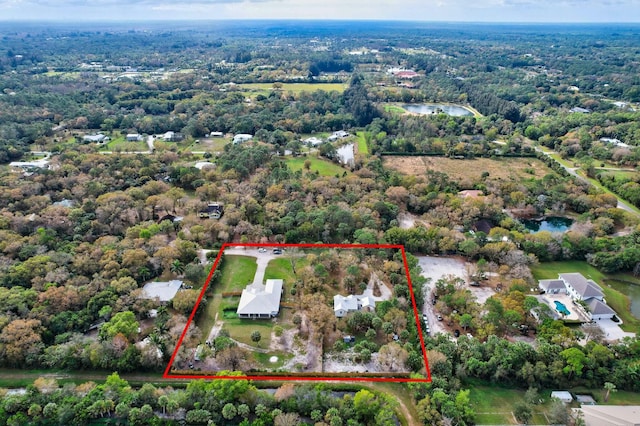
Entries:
{"x":494,"y":405}
{"x":550,"y":270}
{"x":324,"y":167}
{"x":617,"y":300}
{"x":294,"y":87}
{"x":120,"y":144}
{"x":280,"y":268}
{"x":394,"y":109}
{"x":363,"y":149}
{"x":619,"y":174}
{"x":207,"y":319}
{"x":241,"y":329}
{"x":237,"y":272}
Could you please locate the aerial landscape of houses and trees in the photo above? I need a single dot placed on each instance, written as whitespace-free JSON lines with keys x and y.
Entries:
{"x":319,"y":222}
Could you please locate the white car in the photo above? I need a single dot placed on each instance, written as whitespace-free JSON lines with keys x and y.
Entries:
{"x":262,"y":250}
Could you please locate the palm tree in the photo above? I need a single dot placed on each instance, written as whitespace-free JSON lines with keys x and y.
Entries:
{"x":609,"y":387}
{"x":177,"y":267}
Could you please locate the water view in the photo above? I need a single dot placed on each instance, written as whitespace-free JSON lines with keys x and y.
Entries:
{"x":426,"y":109}
{"x":630,"y":290}
{"x":346,"y":154}
{"x":551,"y":224}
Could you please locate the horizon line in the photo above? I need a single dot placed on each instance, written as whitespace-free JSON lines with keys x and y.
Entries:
{"x":285,"y":19}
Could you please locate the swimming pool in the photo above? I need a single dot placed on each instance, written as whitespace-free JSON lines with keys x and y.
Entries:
{"x":560,"y":307}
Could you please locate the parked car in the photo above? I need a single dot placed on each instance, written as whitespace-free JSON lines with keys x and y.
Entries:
{"x":425,"y":319}
{"x":456,"y":333}
{"x":262,"y":250}
{"x":277,"y":251}
{"x":469,"y":335}
{"x":439,"y":317}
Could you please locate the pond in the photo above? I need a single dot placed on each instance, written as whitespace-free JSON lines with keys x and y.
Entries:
{"x":426,"y":109}
{"x":630,"y":290}
{"x":346,"y":154}
{"x":551,"y":224}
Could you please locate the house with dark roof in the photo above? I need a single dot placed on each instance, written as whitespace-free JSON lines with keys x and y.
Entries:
{"x":212,"y":211}
{"x":552,"y":286}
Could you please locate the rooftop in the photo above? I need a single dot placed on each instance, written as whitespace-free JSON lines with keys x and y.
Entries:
{"x":259,"y":299}
{"x":165,"y":291}
{"x":586,"y":288}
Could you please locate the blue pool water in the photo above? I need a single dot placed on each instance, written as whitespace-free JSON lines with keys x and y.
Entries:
{"x":560,"y":307}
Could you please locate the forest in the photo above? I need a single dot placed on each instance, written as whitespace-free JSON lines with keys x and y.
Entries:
{"x":551,"y":131}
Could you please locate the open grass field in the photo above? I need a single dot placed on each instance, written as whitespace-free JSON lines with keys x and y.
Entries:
{"x":324,"y":167}
{"x":363,"y":149}
{"x":618,"y":301}
{"x":619,"y":174}
{"x":494,"y":405}
{"x":517,"y":169}
{"x":207,"y":144}
{"x":394,"y":109}
{"x":237,"y":272}
{"x":293,"y":87}
{"x":120,"y":144}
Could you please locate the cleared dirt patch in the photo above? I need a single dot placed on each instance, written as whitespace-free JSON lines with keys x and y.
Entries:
{"x":498,"y":168}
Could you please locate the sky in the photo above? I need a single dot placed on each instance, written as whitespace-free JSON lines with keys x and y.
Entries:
{"x":411,"y":10}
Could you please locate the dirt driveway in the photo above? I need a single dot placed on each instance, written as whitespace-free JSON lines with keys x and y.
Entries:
{"x":435,"y":268}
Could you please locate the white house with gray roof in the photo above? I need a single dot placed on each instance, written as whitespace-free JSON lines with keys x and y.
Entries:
{"x":342,"y":305}
{"x":580,"y":288}
{"x":260,"y":301}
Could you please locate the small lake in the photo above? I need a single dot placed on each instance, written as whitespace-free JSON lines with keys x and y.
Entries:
{"x":427,"y":109}
{"x":630,"y":290}
{"x":551,"y":224}
{"x":346,"y":154}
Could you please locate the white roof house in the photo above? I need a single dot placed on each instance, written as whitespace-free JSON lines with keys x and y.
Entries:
{"x":580,"y":288}
{"x":260,"y":301}
{"x":242,"y":137}
{"x":97,"y":138}
{"x":164,"y":291}
{"x":202,"y":164}
{"x":342,"y":305}
{"x":563,"y":396}
{"x":134,"y":137}
{"x":340,"y":134}
{"x":313,"y":141}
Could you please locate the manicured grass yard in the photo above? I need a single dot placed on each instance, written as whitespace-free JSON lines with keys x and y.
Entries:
{"x":617,"y":300}
{"x":241,"y":329}
{"x":363,"y":149}
{"x":324,"y":167}
{"x":237,"y":272}
{"x":280,"y":268}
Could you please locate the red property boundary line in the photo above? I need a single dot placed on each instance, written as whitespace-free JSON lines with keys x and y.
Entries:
{"x":293,"y":377}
